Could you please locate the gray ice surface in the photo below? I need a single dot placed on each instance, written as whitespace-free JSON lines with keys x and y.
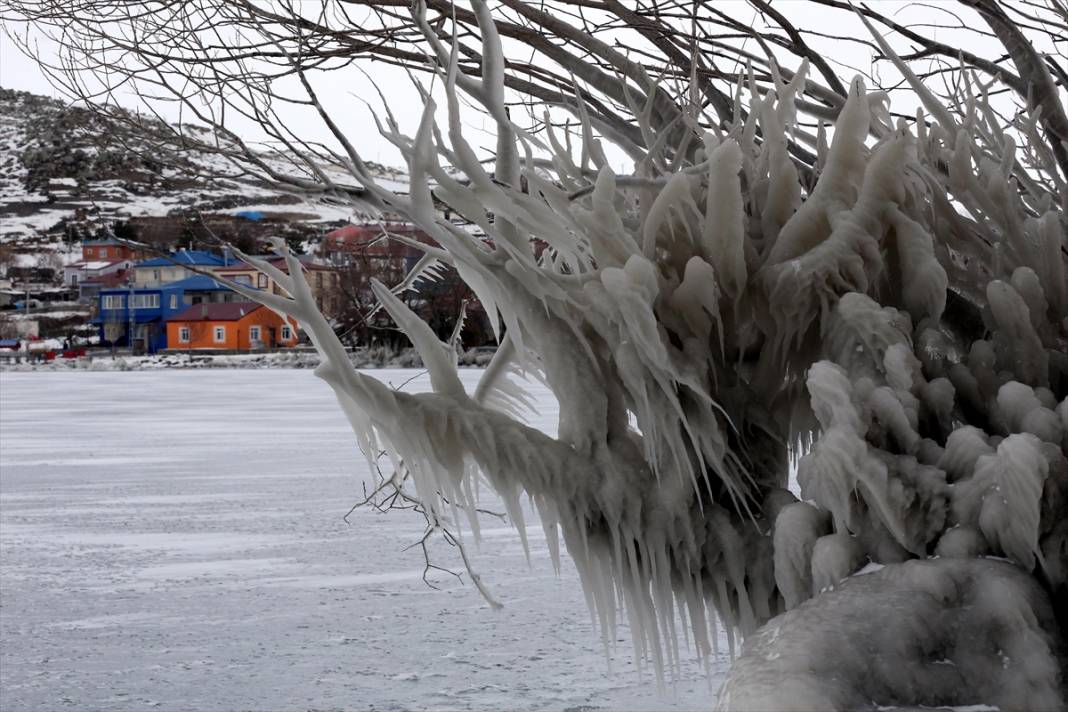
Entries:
{"x":174,"y":540}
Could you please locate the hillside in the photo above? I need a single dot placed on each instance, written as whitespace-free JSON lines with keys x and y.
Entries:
{"x":66,"y":173}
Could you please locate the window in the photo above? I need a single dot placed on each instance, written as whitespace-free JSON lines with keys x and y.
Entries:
{"x":174,"y":301}
{"x":261,"y":281}
{"x":113,"y":301}
{"x":103,"y":252}
{"x":183,"y":334}
{"x":287,"y":333}
{"x":220,"y":334}
{"x":254,"y":333}
{"x":155,"y":275}
{"x":144,"y":301}
{"x":318,"y":280}
{"x":245,"y":279}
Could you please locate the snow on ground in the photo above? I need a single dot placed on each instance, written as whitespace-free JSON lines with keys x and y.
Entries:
{"x":174,"y":540}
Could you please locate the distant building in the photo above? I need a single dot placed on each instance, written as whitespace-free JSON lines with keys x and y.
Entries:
{"x":163,"y":270}
{"x":232,"y":326}
{"x":89,"y":289}
{"x":361,"y":242}
{"x":136,"y":316}
{"x":76,"y":273}
{"x":109,"y":251}
{"x":200,"y":289}
{"x":323,"y":279}
{"x":101,"y":261}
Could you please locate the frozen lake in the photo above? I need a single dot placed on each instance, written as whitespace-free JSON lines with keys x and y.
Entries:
{"x":174,"y":540}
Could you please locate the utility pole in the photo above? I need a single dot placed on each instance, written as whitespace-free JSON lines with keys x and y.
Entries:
{"x":130,"y":317}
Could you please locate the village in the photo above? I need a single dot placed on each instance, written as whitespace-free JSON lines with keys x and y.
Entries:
{"x":111,"y":252}
{"x":124,"y":296}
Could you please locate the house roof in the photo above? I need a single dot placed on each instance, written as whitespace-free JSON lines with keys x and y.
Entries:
{"x":372,"y":240}
{"x":109,"y":241}
{"x":94,"y":264}
{"x":197,"y":283}
{"x":222,"y":311}
{"x":185,"y":257}
{"x":373,"y":231}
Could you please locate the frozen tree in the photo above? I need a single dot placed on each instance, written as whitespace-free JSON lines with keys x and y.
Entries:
{"x":790,"y":274}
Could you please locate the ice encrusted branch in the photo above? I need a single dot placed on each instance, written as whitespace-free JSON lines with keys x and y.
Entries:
{"x":899,"y":327}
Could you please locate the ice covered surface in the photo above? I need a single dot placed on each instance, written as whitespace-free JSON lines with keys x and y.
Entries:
{"x":174,"y":540}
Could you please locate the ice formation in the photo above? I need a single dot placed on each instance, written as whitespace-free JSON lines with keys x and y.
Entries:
{"x":899,"y":326}
{"x":926,"y":634}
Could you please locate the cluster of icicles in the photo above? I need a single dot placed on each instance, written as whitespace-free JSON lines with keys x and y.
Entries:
{"x":701,"y":327}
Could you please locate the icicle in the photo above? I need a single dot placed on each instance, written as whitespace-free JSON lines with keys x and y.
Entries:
{"x":923,"y":280}
{"x":837,"y":185}
{"x":1021,"y":348}
{"x":723,"y":236}
{"x":1004,"y":496}
{"x":834,"y":557}
{"x":674,"y":195}
{"x":797,"y":528}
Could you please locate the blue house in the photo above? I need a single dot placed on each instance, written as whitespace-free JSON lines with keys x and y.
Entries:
{"x":137,"y":316}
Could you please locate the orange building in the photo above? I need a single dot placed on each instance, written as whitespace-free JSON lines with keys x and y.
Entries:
{"x":237,"y":326}
{"x":109,"y":251}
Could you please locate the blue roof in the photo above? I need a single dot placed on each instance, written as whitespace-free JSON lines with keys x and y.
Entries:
{"x":185,"y":257}
{"x":196,"y":283}
{"x":255,"y":215}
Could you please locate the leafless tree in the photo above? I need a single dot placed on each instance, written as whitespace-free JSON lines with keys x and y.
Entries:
{"x":605,"y":62}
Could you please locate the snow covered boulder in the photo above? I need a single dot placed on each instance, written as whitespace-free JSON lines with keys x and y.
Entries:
{"x":926,"y":633}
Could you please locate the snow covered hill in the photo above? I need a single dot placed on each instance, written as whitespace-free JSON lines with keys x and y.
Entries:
{"x":65,"y":172}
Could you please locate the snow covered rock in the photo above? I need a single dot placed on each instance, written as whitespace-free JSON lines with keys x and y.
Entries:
{"x":931,"y":634}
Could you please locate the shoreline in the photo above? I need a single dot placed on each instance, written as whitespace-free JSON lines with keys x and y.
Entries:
{"x":365,"y":358}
